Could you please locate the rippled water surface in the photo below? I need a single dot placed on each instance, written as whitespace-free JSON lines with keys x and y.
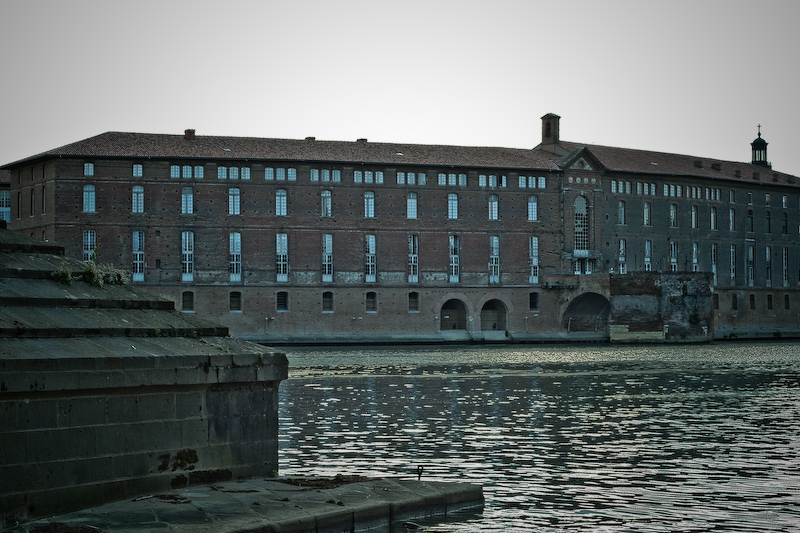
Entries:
{"x":587,"y":439}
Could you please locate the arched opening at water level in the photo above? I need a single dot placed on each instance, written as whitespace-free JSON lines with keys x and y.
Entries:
{"x":493,"y":316}
{"x":587,"y":312}
{"x":453,"y":315}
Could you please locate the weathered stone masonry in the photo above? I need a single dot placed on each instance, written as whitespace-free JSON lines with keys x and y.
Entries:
{"x":108,"y":393}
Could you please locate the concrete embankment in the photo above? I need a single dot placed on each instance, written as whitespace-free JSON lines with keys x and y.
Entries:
{"x":274,"y":505}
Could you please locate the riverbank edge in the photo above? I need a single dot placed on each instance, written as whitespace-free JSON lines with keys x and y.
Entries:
{"x":273,"y":506}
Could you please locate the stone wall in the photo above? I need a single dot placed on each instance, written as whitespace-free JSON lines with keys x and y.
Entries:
{"x":106,"y":392}
{"x":652,"y":306}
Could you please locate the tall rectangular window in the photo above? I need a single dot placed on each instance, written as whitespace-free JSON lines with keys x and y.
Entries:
{"x":621,"y":212}
{"x":326,"y":204}
{"x":282,"y":257}
{"x":533,"y":208}
{"x":369,"y":204}
{"x":413,"y":258}
{"x":327,"y":257}
{"x":137,"y":199}
{"x":731,"y":219}
{"x":187,"y":200}
{"x":281,"y":203}
{"x":751,"y":270}
{"x":138,"y":256}
{"x":370,"y":268}
{"x":494,"y":206}
{"x":533,"y":259}
{"x":695,"y":215}
{"x":89,"y":245}
{"x":695,"y":256}
{"x":88,"y":199}
{"x":785,"y":265}
{"x":733,"y":264}
{"x":647,"y":219}
{"x":5,"y":205}
{"x":714,"y":262}
{"x":648,"y":255}
{"x":234,"y":201}
{"x":622,"y":264}
{"x":452,"y":206}
{"x":673,"y":215}
{"x":235,"y":248}
{"x":411,"y":205}
{"x":88,"y":169}
{"x":673,"y":256}
{"x":455,"y":253}
{"x":713,"y":222}
{"x":494,"y":259}
{"x":768,"y":265}
{"x":187,"y":256}
{"x":137,"y":170}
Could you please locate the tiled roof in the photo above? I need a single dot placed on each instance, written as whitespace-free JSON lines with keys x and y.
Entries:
{"x":133,"y":145}
{"x":177,"y":147}
{"x":647,"y":162}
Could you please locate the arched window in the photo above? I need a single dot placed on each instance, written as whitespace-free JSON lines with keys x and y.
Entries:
{"x":372,"y":302}
{"x":187,"y":301}
{"x":236,"y":301}
{"x":369,"y":204}
{"x":326,"y":204}
{"x":533,"y":208}
{"x":280,"y":203}
{"x":327,"y":302}
{"x":581,"y":224}
{"x":411,"y":205}
{"x":88,"y":199}
{"x":494,"y":203}
{"x":452,"y":206}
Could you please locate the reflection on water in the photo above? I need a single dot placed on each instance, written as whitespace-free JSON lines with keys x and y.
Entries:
{"x":664,"y":439}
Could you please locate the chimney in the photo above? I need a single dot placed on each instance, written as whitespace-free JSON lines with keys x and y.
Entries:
{"x":188,"y":135}
{"x":550,"y":129}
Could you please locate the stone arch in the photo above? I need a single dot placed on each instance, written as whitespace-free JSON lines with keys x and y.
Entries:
{"x":494,"y":316}
{"x":587,"y":312}
{"x":453,"y":315}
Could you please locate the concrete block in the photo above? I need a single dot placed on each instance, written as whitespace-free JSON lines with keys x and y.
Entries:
{"x":155,"y":406}
{"x":147,"y":436}
{"x":110,"y":439}
{"x":194,"y":433}
{"x":36,"y":414}
{"x":102,"y":380}
{"x":81,"y":411}
{"x":13,"y":447}
{"x":189,"y":404}
{"x":134,"y":465}
{"x":120,"y":407}
{"x":61,"y":444}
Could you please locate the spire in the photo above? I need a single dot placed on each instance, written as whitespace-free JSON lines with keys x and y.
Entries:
{"x":759,"y":147}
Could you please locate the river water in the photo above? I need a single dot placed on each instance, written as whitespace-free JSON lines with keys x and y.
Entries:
{"x":562,"y":438}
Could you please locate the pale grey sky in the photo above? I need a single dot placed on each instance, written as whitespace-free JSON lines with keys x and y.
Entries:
{"x":693,"y":77}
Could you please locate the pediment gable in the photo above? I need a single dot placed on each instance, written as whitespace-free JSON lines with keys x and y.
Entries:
{"x":581,"y":159}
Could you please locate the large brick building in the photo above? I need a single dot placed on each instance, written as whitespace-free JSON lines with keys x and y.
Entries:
{"x":312,"y":241}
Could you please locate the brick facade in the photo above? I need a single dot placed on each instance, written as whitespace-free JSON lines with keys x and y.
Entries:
{"x":494,"y":186}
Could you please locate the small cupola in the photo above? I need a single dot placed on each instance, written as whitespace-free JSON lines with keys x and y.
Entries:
{"x":760,"y":151}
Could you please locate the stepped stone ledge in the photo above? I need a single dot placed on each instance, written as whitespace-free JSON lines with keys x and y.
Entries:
{"x":107,"y":392}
